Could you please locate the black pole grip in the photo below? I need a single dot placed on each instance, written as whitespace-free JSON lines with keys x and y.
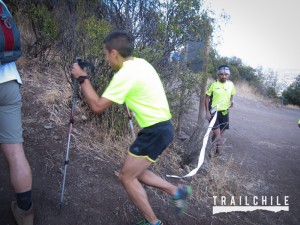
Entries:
{"x":78,"y":60}
{"x":75,"y":89}
{"x":75,"y":81}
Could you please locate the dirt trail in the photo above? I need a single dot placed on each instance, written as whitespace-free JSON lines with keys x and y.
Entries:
{"x":266,"y":140}
{"x":263,"y":144}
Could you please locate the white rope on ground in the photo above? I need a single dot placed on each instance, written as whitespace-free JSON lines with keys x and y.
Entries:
{"x":202,"y":151}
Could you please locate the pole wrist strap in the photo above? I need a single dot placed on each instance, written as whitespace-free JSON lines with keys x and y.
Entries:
{"x":81,"y":79}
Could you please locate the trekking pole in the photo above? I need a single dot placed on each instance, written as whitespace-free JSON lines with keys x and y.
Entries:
{"x":130,"y":121}
{"x":71,"y":122}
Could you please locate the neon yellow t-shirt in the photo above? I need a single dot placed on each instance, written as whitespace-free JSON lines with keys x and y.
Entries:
{"x":139,"y":86}
{"x":221,"y":94}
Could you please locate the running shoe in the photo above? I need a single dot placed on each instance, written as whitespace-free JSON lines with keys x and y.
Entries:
{"x":181,"y":197}
{"x":145,"y":222}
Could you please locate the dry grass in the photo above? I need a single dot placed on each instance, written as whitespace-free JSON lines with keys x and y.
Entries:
{"x":224,"y":178}
{"x":220,"y":178}
{"x":247,"y":91}
{"x":292,"y":106}
{"x":104,"y":144}
{"x":56,"y":101}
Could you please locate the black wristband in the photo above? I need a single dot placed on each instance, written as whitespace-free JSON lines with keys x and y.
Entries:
{"x":81,"y":79}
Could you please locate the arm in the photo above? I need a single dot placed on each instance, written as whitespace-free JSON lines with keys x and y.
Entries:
{"x":233,"y":92}
{"x":96,"y":103}
{"x":231,"y":101}
{"x":207,"y":99}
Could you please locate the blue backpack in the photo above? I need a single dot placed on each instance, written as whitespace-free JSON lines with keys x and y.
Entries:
{"x":10,"y":43}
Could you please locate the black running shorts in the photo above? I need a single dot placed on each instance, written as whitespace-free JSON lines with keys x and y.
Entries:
{"x":152,"y":141}
{"x":222,"y":121}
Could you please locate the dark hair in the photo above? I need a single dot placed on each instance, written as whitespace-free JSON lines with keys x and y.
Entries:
{"x":223,"y":69}
{"x":120,"y":41}
{"x":223,"y":66}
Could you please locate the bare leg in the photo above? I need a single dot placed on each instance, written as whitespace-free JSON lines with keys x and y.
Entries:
{"x":215,"y":135}
{"x":19,"y":169}
{"x":134,"y":171}
{"x":217,"y":138}
{"x":151,"y":179}
{"x":220,"y":141}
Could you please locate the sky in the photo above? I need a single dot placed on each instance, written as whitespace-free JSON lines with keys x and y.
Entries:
{"x":261,"y":32}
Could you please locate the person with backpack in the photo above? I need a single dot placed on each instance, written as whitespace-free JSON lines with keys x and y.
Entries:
{"x":137,"y":84}
{"x":219,"y":96}
{"x":11,"y":136}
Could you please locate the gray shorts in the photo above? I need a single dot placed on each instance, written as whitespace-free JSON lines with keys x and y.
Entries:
{"x":10,"y":113}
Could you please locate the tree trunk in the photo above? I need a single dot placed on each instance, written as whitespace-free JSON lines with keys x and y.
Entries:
{"x":196,"y":140}
{"x":181,"y":109}
{"x":201,"y":112}
{"x":194,"y":145}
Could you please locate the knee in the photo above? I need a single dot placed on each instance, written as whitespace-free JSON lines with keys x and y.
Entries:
{"x":217,"y":132}
{"x":126,"y":179}
{"x":122,"y":178}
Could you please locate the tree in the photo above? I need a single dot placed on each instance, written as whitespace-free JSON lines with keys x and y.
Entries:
{"x":207,"y":29}
{"x":194,"y":145}
{"x":292,"y":93}
{"x":272,"y":86}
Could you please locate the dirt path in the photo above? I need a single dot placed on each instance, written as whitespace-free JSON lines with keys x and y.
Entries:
{"x":263,"y":141}
{"x":263,"y":144}
{"x":267,"y":140}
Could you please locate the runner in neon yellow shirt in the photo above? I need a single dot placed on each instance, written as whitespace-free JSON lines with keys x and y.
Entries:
{"x":299,"y":123}
{"x":220,"y":95}
{"x":138,"y":85}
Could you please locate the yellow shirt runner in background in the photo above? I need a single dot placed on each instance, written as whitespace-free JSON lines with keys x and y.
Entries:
{"x":221,"y":94}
